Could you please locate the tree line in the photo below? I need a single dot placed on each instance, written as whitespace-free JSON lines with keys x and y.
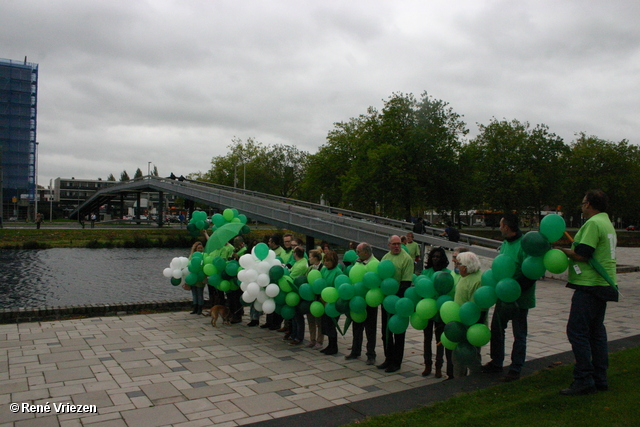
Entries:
{"x":413,"y":155}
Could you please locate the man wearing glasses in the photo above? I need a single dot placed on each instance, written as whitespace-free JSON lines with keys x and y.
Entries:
{"x":592,"y":275}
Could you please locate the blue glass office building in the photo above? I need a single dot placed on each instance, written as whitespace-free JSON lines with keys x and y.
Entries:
{"x":18,"y":119}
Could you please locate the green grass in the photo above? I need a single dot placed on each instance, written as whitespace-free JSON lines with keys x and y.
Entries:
{"x":535,"y":401}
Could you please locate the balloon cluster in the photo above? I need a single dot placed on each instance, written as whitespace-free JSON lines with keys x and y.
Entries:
{"x":177,"y":270}
{"x":199,"y":221}
{"x":264,"y":283}
{"x":537,"y":244}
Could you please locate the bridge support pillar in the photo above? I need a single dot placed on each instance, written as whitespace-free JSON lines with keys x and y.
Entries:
{"x":160,"y":208}
{"x":310,"y":243}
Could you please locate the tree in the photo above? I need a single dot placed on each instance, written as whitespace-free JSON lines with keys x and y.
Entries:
{"x":154,"y":172}
{"x":138,"y":174}
{"x":124,"y":176}
{"x":519,"y":168}
{"x":111,"y":177}
{"x":594,"y":163}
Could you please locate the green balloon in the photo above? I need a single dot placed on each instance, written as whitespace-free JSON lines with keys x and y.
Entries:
{"x":533,"y":267}
{"x":443,"y":282}
{"x":227,"y":214}
{"x":318,"y":285}
{"x":358,"y":304}
{"x":455,"y":331}
{"x":386,"y":269}
{"x":175,"y":282}
{"x":220,"y":263}
{"x":553,"y":227}
{"x":330,"y":295}
{"x":358,"y":317}
{"x":341,"y":279}
{"x":556,"y":261}
{"x":405,"y":307}
{"x":191,"y":279}
{"x":503,"y":266}
{"x":342,"y":306}
{"x":470,"y":313}
{"x":427,"y":308}
{"x":418,"y":322}
{"x":425,"y":288}
{"x":448,"y":344}
{"x":350,"y":256}
{"x":442,"y":299}
{"x":218,"y":220}
{"x":242,"y":218}
{"x":390,"y":286}
{"x":346,"y":291}
{"x":389,"y":303}
{"x":465,"y":353}
{"x":374,"y":297}
{"x":261,"y":251}
{"x":225,"y":285}
{"x":478,"y":335}
{"x":316,"y":309}
{"x":292,"y":299}
{"x":372,"y":265}
{"x":485,"y":297}
{"x":331,"y":310}
{"x":305,"y":292}
{"x":535,"y":243}
{"x":287,"y":312}
{"x":371,"y":280}
{"x":411,"y":293}
{"x":313,"y":275}
{"x":361,"y":289}
{"x":398,"y":324}
{"x":232,"y":268}
{"x":214,"y":280}
{"x":450,"y":312}
{"x":357,"y":272}
{"x":209,"y":269}
{"x":487,"y":278}
{"x":285,"y":283}
{"x":508,"y":290}
{"x":300,"y":280}
{"x":275,"y":273}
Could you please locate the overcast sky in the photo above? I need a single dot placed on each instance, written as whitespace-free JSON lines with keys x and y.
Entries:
{"x":124,"y":83}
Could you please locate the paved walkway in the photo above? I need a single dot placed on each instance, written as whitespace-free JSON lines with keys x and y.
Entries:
{"x":175,"y":369}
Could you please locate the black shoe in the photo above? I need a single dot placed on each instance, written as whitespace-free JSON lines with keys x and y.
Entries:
{"x":253,"y":323}
{"x":195,"y":310}
{"x":490,"y":368}
{"x":427,"y":371}
{"x":511,"y":376}
{"x":233,"y":322}
{"x":392,"y":368}
{"x":265,"y":326}
{"x":384,"y":365}
{"x":371,"y":361}
{"x":576,"y":390}
{"x":602,"y":387}
{"x":351,"y":356}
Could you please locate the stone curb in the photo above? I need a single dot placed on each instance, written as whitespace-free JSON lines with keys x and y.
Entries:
{"x":40,"y":314}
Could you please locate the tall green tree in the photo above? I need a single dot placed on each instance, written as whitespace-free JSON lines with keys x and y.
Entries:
{"x":124,"y":176}
{"x":111,"y":177}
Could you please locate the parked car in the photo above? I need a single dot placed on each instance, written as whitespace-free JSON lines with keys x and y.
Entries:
{"x":631,"y":228}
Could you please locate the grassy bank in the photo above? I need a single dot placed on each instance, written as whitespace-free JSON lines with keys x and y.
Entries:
{"x":534,"y":401}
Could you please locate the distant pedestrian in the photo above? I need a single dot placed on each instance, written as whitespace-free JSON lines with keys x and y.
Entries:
{"x":39,"y":220}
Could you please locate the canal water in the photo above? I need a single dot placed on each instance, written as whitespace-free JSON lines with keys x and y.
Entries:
{"x":59,"y":277}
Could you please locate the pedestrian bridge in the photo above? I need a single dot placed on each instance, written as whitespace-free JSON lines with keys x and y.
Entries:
{"x":335,"y":225}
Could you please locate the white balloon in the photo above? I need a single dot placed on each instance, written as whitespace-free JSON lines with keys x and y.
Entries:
{"x":167,"y":272}
{"x":184,"y":261}
{"x":175,"y":263}
{"x":241,"y":275}
{"x":271,"y":256}
{"x":272,"y":290}
{"x":247,"y":298}
{"x":269,"y":306}
{"x":263,"y":267}
{"x":243,"y":286}
{"x":246,"y":261}
{"x":253,"y":289}
{"x":257,"y":305}
{"x":262,"y":297}
{"x":250,"y":275}
{"x":177,"y":273}
{"x":263,"y":280}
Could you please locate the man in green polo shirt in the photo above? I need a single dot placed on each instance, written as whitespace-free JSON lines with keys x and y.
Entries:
{"x":592,"y":275}
{"x":394,"y":343}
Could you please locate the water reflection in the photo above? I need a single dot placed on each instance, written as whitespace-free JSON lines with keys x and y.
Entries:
{"x":56,"y":277}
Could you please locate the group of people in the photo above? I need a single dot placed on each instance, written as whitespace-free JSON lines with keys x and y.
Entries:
{"x":591,"y":275}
